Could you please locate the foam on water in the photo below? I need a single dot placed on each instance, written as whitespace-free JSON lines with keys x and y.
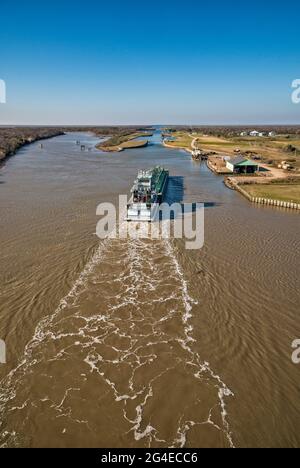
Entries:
{"x":128,"y":320}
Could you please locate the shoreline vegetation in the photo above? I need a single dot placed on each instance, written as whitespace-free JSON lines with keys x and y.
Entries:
{"x":14,"y":138}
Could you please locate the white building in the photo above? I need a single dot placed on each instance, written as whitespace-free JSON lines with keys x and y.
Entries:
{"x":244,"y":134}
{"x":261,"y":134}
{"x":272,"y":134}
{"x":254,"y":133}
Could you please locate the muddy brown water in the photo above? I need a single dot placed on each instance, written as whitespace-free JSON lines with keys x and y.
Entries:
{"x":137,"y":343}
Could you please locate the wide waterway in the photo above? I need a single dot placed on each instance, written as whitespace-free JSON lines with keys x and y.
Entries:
{"x":141,"y":342}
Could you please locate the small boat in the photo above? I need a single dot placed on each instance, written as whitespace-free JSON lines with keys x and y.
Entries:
{"x":147,"y":194}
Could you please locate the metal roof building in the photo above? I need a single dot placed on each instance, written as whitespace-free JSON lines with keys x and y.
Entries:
{"x":242,"y":165}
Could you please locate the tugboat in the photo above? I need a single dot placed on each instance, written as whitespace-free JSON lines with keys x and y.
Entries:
{"x":147,"y":194}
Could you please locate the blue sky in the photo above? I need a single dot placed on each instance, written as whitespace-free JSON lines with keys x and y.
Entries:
{"x":129,"y":62}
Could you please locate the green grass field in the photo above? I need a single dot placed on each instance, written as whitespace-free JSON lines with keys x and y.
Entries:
{"x":183,"y":140}
{"x":134,"y":144}
{"x":127,"y":141}
{"x":281,"y":192}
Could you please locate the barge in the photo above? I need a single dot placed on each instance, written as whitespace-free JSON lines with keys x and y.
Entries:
{"x":147,"y":194}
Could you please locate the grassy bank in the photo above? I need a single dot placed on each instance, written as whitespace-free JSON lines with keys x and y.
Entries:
{"x":134,"y":144}
{"x":125,"y":140}
{"x":282,"y":192}
{"x":181,"y":140}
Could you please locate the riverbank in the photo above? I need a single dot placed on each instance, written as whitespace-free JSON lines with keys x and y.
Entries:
{"x":126,"y":145}
{"x":119,"y":137}
{"x":216,"y":165}
{"x":272,"y":185}
{"x":280,"y":192}
{"x":283,"y":145}
{"x":180,"y":140}
{"x":259,"y":188}
{"x":12,"y":139}
{"x":168,"y":145}
{"x":125,"y":140}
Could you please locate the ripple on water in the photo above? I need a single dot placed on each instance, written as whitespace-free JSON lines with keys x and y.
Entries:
{"x":116,"y":363}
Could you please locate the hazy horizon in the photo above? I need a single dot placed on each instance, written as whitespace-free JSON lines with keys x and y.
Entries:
{"x":246,"y":125}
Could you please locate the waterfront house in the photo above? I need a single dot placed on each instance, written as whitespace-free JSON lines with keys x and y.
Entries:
{"x":254,"y":133}
{"x":242,"y":165}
